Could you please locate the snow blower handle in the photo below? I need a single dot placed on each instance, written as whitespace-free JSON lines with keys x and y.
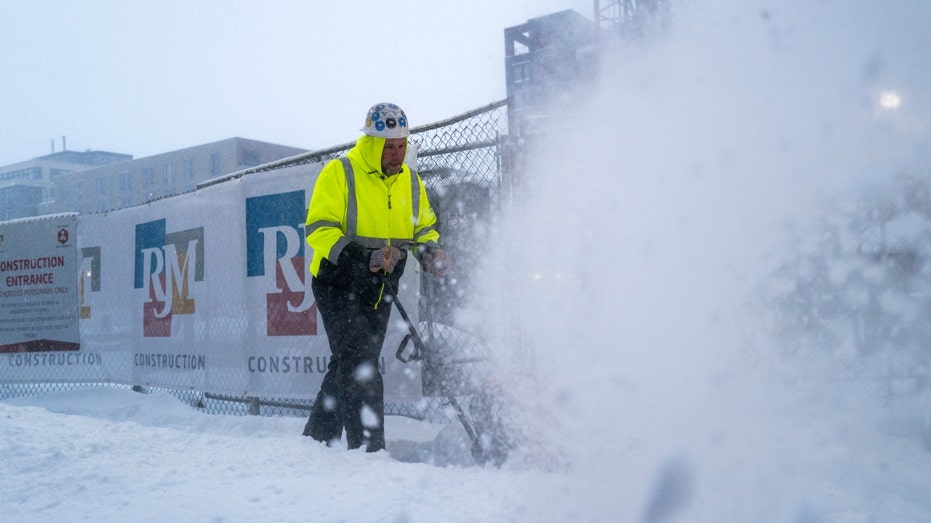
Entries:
{"x":419,"y":348}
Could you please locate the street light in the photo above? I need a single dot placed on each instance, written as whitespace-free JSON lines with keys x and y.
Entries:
{"x":890,"y":100}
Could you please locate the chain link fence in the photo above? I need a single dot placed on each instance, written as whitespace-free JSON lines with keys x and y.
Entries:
{"x":461,"y":163}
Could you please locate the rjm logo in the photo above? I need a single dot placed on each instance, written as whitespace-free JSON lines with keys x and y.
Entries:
{"x":275,"y":245}
{"x":165,"y":267}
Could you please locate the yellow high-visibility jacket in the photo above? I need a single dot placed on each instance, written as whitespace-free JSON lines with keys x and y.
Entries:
{"x":367,"y":207}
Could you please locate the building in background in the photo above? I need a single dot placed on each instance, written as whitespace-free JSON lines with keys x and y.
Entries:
{"x":552,"y":64}
{"x":26,"y":187}
{"x":552,"y":61}
{"x":99,"y":181}
{"x":118,"y":185}
{"x":549,"y":62}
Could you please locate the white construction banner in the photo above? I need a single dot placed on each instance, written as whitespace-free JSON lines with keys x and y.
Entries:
{"x":205,"y":291}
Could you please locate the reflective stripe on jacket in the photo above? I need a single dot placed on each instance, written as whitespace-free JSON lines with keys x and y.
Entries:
{"x":353,"y":200}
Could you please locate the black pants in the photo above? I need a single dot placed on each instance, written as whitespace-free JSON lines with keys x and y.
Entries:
{"x":352,"y":393}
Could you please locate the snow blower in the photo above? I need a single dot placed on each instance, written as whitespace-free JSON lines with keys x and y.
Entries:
{"x":444,"y":376}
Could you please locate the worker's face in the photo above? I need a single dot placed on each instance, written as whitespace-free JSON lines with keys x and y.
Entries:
{"x":392,"y":156}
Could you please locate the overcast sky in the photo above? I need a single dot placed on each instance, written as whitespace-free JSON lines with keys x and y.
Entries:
{"x":144,"y":78}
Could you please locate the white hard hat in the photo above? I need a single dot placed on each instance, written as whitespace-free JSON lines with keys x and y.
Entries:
{"x":386,"y":120}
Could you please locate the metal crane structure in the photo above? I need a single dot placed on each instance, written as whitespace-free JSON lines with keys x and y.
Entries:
{"x":630,"y":18}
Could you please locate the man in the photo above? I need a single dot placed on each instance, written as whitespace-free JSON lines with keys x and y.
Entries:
{"x":366,"y":212}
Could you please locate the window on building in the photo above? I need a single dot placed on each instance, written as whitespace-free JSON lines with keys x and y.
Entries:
{"x":520,"y":72}
{"x":168,"y":174}
{"x":148,"y":178}
{"x":19,"y":202}
{"x":215,"y":164}
{"x":189,"y":169}
{"x":126,"y":181}
{"x":32,"y":173}
{"x":101,"y":186}
{"x":251,"y":158}
{"x":6,"y":210}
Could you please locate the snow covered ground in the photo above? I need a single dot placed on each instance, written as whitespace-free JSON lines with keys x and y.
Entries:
{"x":117,"y":455}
